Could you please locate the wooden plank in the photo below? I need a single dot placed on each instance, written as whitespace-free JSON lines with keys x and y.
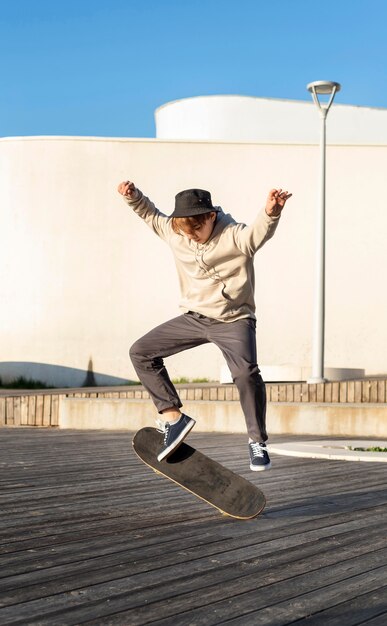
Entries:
{"x":213,"y":393}
{"x":313,"y":393}
{"x":198,"y":393}
{"x":190,"y":394}
{"x":229,"y":393}
{"x":358,"y":391}
{"x":24,"y":410}
{"x":274,"y":393}
{"x":54,"y":417}
{"x":39,"y":411}
{"x":365,"y":388}
{"x":374,"y":391}
{"x":328,"y":392}
{"x":81,"y":522}
{"x":102,"y":570}
{"x":305,"y":392}
{"x":9,"y":417}
{"x":366,"y":608}
{"x":272,"y":553}
{"x":335,"y":392}
{"x":221,"y":393}
{"x":184,"y":599}
{"x":46,"y":410}
{"x":17,"y":411}
{"x":31,"y":411}
{"x":381,"y":391}
{"x":301,"y":606}
{"x":2,"y":411}
{"x":320,"y":393}
{"x":343,"y":391}
{"x":289,"y":393}
{"x":206,"y":394}
{"x":380,"y":620}
{"x":351,"y":391}
{"x":282,"y":393}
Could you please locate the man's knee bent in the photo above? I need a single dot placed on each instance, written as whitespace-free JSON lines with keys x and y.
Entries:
{"x":140,"y":357}
{"x":247,"y":376}
{"x":136,"y":352}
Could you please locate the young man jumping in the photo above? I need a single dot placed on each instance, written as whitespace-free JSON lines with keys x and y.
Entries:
{"x":214,"y":257}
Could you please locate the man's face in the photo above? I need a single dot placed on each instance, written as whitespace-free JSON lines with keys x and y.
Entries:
{"x":202,"y":232}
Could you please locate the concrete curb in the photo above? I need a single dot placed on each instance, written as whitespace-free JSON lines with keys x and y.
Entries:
{"x":332,"y":449}
{"x":333,"y":420}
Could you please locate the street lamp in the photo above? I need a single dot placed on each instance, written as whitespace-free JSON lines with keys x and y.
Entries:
{"x":320,"y":88}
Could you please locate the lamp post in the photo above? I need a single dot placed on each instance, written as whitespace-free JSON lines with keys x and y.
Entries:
{"x":320,"y":88}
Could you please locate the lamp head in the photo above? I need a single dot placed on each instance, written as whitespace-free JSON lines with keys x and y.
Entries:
{"x":323,"y":87}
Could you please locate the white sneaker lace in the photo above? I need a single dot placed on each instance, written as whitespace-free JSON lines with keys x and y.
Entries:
{"x":257,"y":449}
{"x":163,"y":427}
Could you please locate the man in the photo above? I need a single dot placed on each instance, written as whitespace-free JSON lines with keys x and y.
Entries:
{"x":214,"y":258}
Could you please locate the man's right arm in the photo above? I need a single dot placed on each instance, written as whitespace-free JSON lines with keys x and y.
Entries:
{"x":145,"y":209}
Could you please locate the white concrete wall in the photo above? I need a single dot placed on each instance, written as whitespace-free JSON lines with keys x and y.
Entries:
{"x":264,"y":120}
{"x":82,"y":277}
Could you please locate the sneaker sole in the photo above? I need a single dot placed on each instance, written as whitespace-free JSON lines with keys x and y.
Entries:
{"x":260,"y":468}
{"x":168,"y":451}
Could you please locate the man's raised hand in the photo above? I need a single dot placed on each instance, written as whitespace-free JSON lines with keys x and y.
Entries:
{"x":127,"y":188}
{"x":276,"y":201}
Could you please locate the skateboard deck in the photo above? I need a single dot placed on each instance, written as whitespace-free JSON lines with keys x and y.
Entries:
{"x":205,"y":478}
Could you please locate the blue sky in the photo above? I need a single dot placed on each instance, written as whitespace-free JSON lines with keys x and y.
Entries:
{"x":101,"y":67}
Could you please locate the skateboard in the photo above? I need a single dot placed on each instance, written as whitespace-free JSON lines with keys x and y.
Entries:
{"x":205,"y":478}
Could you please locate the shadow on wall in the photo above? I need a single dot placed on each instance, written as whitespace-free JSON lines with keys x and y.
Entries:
{"x":57,"y":375}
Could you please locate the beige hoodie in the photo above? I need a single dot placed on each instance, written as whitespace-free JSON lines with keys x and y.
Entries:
{"x":217,"y":277}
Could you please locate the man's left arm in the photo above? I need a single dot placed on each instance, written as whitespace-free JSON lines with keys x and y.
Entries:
{"x":250,"y":238}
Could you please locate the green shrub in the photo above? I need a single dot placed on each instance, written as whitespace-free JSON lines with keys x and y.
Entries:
{"x":371,"y":449}
{"x":24,"y":383}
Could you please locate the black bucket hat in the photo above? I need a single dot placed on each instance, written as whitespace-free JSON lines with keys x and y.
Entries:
{"x":191,"y":202}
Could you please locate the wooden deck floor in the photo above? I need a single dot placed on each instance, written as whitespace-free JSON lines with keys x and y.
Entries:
{"x":89,"y":535}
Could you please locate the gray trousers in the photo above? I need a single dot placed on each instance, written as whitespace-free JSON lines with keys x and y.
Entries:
{"x":237,"y":342}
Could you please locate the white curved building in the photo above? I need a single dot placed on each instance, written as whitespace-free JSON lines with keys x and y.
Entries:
{"x":82,"y":277}
{"x":266,"y":120}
